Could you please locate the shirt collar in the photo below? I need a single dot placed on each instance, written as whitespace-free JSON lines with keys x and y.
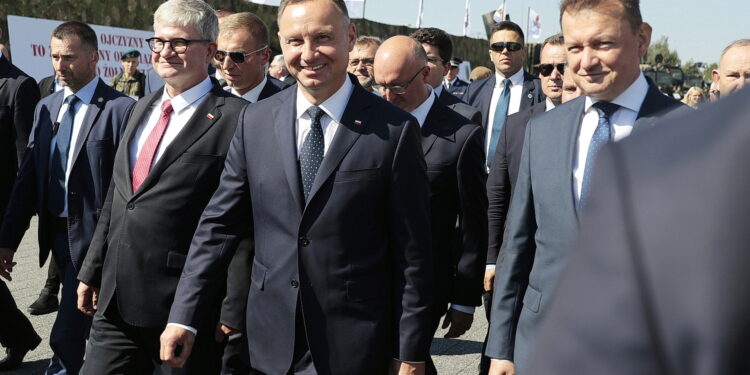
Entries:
{"x":334,"y":106}
{"x":188,"y":97}
{"x":85,"y":93}
{"x":254,"y":93}
{"x":438,"y":90}
{"x":420,"y":113}
{"x":550,"y":105}
{"x":632,"y":98}
{"x":516,"y":79}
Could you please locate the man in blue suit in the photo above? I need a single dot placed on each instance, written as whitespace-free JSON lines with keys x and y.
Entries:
{"x":452,"y":83}
{"x":65,"y":175}
{"x":605,"y":41}
{"x":509,"y":90}
{"x":331,"y":182}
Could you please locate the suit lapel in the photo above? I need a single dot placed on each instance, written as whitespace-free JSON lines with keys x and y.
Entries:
{"x":353,"y":123}
{"x":527,"y":95}
{"x":574,"y":118}
{"x":431,"y":127}
{"x":44,"y":142}
{"x":486,"y":97}
{"x":652,"y":108}
{"x":92,"y":114}
{"x":284,"y":116}
{"x":198,"y":124}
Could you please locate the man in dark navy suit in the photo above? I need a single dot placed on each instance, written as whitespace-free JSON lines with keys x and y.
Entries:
{"x":18,"y":96}
{"x":560,"y":147}
{"x":65,"y":175}
{"x":330,"y":180}
{"x":455,"y":167}
{"x":452,"y":83}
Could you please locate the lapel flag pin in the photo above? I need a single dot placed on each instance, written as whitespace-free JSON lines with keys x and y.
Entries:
{"x":357,"y":122}
{"x":210,"y":116}
{"x":530,"y":96}
{"x":100,"y":99}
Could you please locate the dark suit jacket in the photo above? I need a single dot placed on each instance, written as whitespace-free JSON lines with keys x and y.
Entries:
{"x":460,"y":107}
{"x":658,"y":283}
{"x":90,"y":172}
{"x":458,"y":88}
{"x":18,"y":96}
{"x":142,"y":238}
{"x":455,"y":167}
{"x":238,"y":273}
{"x":356,"y":258}
{"x":479,"y":94}
{"x":542,"y":224}
{"x":47,"y":86}
{"x":503,"y":174}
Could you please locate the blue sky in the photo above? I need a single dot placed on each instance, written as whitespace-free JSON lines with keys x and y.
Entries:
{"x":693,"y":30}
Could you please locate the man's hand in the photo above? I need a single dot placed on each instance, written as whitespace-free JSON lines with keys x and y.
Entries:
{"x":223,"y":332}
{"x":404,"y":368}
{"x":502,"y":367}
{"x":176,"y":345}
{"x":88,"y":298}
{"x":459,"y":323}
{"x":6,"y":262}
{"x":489,"y":279}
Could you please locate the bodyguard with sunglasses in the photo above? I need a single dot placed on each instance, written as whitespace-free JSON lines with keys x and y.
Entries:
{"x":168,"y":167}
{"x":509,"y":90}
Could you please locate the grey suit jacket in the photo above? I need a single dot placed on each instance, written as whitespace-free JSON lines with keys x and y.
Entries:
{"x":543,"y":224}
{"x":659,"y":282}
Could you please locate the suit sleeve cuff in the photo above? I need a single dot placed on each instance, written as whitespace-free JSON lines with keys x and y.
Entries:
{"x":396,"y":359}
{"x":490,"y":267}
{"x":462,"y":308}
{"x":191,"y":329}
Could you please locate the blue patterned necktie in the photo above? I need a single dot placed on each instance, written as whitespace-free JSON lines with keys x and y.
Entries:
{"x":59,"y":163}
{"x":311,"y":153}
{"x":501,"y":112}
{"x":602,"y":135}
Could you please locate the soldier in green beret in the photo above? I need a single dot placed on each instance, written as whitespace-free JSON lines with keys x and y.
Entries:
{"x":130,"y":82}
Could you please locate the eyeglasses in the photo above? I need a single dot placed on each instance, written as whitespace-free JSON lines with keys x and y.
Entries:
{"x":366,"y":62}
{"x":179,"y":45}
{"x":397,"y":89}
{"x":546,"y":69}
{"x":238,"y":57}
{"x":511,"y":46}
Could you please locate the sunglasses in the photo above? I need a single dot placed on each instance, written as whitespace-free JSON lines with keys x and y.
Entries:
{"x":511,"y":46}
{"x":546,"y":69}
{"x":238,"y":57}
{"x":396,"y":89}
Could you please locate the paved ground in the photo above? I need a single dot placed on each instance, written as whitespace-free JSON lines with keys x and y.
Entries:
{"x":451,"y":356}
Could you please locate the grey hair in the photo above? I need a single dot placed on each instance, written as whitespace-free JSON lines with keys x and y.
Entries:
{"x":736,"y":43}
{"x":277,"y":60}
{"x":189,"y":13}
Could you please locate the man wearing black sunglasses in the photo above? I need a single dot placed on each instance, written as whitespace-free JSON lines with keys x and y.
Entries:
{"x":242,"y":56}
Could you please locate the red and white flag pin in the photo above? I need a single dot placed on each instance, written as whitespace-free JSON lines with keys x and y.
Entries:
{"x":210,"y":116}
{"x":357,"y":122}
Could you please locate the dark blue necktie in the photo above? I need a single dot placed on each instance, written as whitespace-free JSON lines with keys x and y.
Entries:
{"x":602,"y":135}
{"x":501,"y":112}
{"x":59,"y":162}
{"x":311,"y":153}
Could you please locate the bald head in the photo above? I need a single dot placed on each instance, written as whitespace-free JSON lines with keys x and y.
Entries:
{"x":401,"y":72}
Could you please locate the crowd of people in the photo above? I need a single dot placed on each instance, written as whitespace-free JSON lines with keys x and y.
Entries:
{"x":323,"y":210}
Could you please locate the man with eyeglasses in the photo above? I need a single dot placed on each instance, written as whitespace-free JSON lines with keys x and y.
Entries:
{"x":439,"y":48}
{"x":176,"y":141}
{"x":605,"y":41}
{"x":242,"y":56}
{"x":452,"y":147}
{"x":509,"y":90}
{"x":361,"y":58}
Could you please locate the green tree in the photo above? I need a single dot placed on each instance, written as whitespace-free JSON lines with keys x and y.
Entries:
{"x":661,"y":47}
{"x":707,"y":73}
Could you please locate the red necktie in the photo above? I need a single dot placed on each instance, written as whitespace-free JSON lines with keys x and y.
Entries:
{"x":146,"y":156}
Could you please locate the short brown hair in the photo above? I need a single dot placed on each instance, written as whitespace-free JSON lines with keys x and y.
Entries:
{"x":632,"y":9}
{"x":246,"y":21}
{"x":368,"y":41}
{"x":340,"y":5}
{"x":84,"y":32}
{"x":736,"y":43}
{"x":555,"y":40}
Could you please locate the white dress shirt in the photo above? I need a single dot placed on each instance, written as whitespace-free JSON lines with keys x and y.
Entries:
{"x":622,"y":122}
{"x":550,"y":105}
{"x":333,"y":108}
{"x":85,"y":95}
{"x":448,"y":83}
{"x":183,"y":107}
{"x":516,"y":90}
{"x":438,"y":90}
{"x":252,"y":95}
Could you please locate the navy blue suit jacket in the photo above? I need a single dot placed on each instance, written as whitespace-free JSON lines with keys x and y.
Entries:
{"x":479,"y":94}
{"x":356,"y":257}
{"x":458,"y":87}
{"x":90,"y":172}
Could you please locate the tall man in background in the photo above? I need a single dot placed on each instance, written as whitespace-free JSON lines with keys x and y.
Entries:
{"x":361,"y":60}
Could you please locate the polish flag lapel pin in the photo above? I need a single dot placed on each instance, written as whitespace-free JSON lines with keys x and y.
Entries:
{"x":210,"y":116}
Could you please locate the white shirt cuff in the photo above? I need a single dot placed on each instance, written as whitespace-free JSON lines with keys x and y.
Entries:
{"x":462,"y":308}
{"x":490,"y":267}
{"x":396,"y":359}
{"x":191,"y":329}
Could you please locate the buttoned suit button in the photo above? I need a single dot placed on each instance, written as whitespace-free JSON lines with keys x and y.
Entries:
{"x":131,"y":206}
{"x":304,"y":241}
{"x":295,"y":284}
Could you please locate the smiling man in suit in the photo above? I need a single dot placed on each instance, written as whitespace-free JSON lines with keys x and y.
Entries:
{"x":164,"y":174}
{"x":330,"y":180}
{"x":65,"y":175}
{"x":605,"y":40}
{"x":455,"y":167}
{"x":509,"y":90}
